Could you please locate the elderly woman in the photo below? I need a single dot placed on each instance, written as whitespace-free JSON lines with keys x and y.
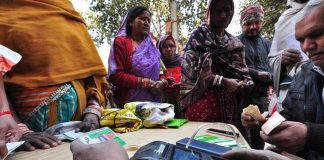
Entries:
{"x":134,"y":62}
{"x":172,"y":62}
{"x":214,"y":64}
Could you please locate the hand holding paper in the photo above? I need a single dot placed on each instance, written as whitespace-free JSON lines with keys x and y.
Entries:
{"x":252,"y":118}
{"x":289,"y":136}
{"x":275,"y":120}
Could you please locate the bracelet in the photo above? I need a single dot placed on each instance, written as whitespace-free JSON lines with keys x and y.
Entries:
{"x":215,"y":80}
{"x":93,"y":102}
{"x":93,"y":111}
{"x":220,"y":81}
{"x":165,"y":82}
{"x":5,"y":113}
{"x":142,"y":83}
{"x":96,"y":107}
{"x":139,"y":81}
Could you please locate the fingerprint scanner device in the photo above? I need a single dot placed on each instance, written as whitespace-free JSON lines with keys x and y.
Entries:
{"x":165,"y":151}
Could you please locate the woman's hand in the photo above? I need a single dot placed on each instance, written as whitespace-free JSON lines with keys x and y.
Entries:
{"x":90,"y":122}
{"x":9,"y":125}
{"x":158,"y":87}
{"x":147,"y":83}
{"x":3,"y":148}
{"x":39,"y":140}
{"x":232,"y":85}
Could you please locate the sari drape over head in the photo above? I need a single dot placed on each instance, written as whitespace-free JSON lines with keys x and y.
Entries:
{"x":176,"y":60}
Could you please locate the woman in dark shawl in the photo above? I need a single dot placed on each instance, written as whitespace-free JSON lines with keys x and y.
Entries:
{"x":214,"y":66}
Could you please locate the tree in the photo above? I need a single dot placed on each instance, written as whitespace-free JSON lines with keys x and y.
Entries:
{"x":273,"y":10}
{"x":107,"y":16}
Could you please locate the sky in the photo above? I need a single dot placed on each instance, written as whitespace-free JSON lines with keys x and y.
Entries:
{"x":83,"y":6}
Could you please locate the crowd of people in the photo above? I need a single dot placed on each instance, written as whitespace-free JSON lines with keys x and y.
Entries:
{"x":61,"y":77}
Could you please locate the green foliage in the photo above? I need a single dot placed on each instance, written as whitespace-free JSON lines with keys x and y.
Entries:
{"x":190,"y":16}
{"x":273,"y":10}
{"x":107,"y":16}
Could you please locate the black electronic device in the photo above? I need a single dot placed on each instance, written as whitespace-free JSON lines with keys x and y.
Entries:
{"x":159,"y":150}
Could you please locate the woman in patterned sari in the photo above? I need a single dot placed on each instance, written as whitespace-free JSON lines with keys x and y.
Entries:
{"x":214,"y":66}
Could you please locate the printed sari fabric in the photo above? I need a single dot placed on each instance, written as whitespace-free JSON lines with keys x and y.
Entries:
{"x":206,"y":54}
{"x":25,"y":101}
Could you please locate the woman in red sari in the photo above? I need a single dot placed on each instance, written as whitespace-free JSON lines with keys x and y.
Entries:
{"x":134,"y":61}
{"x":214,"y":65}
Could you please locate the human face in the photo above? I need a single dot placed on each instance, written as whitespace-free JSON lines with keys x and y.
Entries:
{"x":310,"y":34}
{"x":221,"y":15}
{"x":141,"y":24}
{"x":252,"y":28}
{"x":169,"y":49}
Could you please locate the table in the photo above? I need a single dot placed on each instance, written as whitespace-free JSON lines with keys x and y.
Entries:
{"x":138,"y":138}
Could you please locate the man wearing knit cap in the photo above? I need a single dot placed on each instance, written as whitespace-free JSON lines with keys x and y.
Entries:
{"x":256,"y":56}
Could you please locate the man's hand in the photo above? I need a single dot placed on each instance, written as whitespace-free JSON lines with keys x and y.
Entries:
{"x":99,"y":151}
{"x":39,"y":140}
{"x":249,"y":122}
{"x":90,"y":122}
{"x":290,"y":56}
{"x":264,"y":76}
{"x":248,"y":154}
{"x":288,"y":136}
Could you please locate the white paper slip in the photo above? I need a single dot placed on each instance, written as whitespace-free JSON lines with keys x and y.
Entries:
{"x":72,"y":135}
{"x":275,"y":120}
{"x":13,"y":145}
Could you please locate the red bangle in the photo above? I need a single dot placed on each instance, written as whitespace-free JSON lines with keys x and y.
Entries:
{"x":5,"y":112}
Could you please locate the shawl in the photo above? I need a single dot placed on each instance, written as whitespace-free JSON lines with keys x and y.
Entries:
{"x":52,"y":39}
{"x":211,"y":4}
{"x":169,"y":63}
{"x":55,"y":46}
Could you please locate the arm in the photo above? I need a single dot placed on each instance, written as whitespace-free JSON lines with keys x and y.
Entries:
{"x":315,"y":137}
{"x":3,"y":148}
{"x":7,"y":118}
{"x":247,"y":154}
{"x":95,"y":89}
{"x":99,"y":151}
